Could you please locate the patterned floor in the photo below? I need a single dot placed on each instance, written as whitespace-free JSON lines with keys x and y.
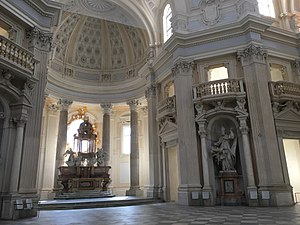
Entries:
{"x":166,"y":214}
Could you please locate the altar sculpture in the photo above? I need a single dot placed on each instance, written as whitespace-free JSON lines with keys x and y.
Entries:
{"x":85,"y":167}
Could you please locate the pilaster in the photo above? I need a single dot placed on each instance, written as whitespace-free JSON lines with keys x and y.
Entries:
{"x":189,"y":187}
{"x":155,"y":166}
{"x":272,"y":190}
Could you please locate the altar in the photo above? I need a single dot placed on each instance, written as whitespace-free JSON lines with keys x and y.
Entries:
{"x":80,"y":178}
{"x":85,"y":168}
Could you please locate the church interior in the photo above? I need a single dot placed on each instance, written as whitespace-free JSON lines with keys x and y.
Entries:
{"x":195,"y":102}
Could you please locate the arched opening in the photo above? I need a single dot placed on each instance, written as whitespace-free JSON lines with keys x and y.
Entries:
{"x":167,"y":26}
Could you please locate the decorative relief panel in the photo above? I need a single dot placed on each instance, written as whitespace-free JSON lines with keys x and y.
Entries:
{"x":210,"y":11}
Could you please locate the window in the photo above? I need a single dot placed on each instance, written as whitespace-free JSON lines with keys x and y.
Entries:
{"x":126,"y":139}
{"x":167,"y":28}
{"x":217,"y":73}
{"x":3,"y":32}
{"x":278,"y":72}
{"x":266,"y":8}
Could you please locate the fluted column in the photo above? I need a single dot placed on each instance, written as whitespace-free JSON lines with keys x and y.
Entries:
{"x":272,"y":189}
{"x":134,"y":151}
{"x":187,"y":136}
{"x":64,"y":105}
{"x":106,"y":130}
{"x":154,"y":153}
{"x":16,"y":163}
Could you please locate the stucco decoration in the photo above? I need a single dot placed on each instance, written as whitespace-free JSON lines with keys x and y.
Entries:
{"x":210,"y":11}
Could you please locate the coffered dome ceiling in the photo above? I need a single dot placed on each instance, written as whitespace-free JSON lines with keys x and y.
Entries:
{"x":99,"y":48}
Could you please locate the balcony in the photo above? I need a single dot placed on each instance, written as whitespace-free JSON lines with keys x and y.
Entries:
{"x":16,"y":58}
{"x":166,"y":107}
{"x":218,"y":90}
{"x":284,"y":91}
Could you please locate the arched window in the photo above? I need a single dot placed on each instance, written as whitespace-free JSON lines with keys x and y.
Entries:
{"x":167,"y":23}
{"x":266,"y":8}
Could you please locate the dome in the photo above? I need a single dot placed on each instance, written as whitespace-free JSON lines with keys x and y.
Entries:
{"x":94,"y":43}
{"x":98,"y":50}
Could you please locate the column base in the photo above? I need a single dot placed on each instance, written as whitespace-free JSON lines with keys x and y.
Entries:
{"x":275,"y":196}
{"x":208,"y":196}
{"x":154,"y":192}
{"x":15,"y":206}
{"x":135,"y":192}
{"x":252,"y":196}
{"x":189,"y":195}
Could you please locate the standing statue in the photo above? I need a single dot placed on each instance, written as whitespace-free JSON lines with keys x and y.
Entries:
{"x":223,"y":151}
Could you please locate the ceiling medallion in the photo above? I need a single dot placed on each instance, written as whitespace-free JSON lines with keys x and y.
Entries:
{"x":98,"y":5}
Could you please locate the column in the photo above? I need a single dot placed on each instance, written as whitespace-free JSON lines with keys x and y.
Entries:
{"x":64,"y":105}
{"x":272,"y":189}
{"x":106,"y":131}
{"x":134,"y":151}
{"x":165,"y":178}
{"x":207,"y":192}
{"x":17,"y":155}
{"x":187,"y":137}
{"x":154,"y":190}
{"x":251,"y":187}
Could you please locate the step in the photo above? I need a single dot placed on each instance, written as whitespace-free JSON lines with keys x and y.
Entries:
{"x":60,"y":204}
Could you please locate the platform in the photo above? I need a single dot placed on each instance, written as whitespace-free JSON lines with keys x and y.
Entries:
{"x":60,"y":204}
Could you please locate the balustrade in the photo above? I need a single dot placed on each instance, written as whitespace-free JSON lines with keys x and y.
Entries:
{"x":17,"y":54}
{"x":167,"y":106}
{"x":216,"y":88}
{"x":284,"y":90}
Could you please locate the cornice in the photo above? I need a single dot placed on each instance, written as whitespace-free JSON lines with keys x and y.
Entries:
{"x":226,"y":31}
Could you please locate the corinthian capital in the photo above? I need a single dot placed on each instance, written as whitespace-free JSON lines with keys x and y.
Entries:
{"x":64,"y":104}
{"x":133,"y":104}
{"x":183,"y":68}
{"x":39,"y":38}
{"x":252,"y":53}
{"x":107,"y":108}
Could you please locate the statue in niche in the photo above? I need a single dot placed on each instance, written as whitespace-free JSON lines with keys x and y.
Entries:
{"x":224,"y":150}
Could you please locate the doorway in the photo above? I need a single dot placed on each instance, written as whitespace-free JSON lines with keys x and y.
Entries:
{"x":173,"y":174}
{"x":292,"y":155}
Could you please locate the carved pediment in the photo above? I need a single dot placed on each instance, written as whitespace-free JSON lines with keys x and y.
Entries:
{"x":167,"y":127}
{"x":289,"y":114}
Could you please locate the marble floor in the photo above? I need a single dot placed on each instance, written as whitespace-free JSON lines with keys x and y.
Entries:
{"x":166,"y":214}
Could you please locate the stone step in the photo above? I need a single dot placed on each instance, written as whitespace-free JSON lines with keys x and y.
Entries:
{"x":60,"y":204}
{"x":84,"y":194}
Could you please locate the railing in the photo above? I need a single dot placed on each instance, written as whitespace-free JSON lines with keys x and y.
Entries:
{"x":219,"y":87}
{"x":167,"y":106}
{"x":284,"y":89}
{"x":17,"y":54}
